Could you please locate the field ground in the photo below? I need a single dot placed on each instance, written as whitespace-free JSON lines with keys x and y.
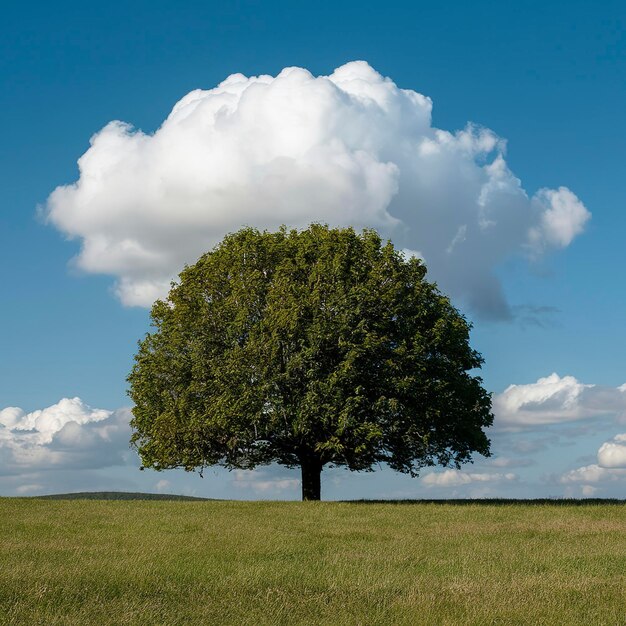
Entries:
{"x":85,"y":562}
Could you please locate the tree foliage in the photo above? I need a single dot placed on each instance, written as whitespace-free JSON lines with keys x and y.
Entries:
{"x":307,"y":348}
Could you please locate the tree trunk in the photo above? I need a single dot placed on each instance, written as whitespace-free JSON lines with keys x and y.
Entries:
{"x":311,"y":479}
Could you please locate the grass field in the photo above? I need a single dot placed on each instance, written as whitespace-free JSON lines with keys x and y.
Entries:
{"x":152,"y":562}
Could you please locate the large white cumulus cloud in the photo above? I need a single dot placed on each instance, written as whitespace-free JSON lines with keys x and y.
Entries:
{"x":347,"y":149}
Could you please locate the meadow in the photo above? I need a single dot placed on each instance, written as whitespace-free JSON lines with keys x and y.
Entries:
{"x":85,"y":562}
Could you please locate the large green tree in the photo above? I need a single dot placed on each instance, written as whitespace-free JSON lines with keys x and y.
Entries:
{"x":307,"y":348}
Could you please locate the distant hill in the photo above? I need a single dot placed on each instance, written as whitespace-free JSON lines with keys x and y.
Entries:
{"x":116,"y":495}
{"x":125,"y":495}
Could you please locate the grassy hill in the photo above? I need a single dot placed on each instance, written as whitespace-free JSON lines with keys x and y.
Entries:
{"x":117,"y":495}
{"x":82,"y":562}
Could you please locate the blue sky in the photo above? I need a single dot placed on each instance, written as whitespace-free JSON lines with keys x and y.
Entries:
{"x":549,"y":78}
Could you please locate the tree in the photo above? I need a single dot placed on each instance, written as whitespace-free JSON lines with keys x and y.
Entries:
{"x":307,"y":348}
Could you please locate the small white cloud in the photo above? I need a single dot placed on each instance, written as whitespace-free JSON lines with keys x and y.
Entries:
{"x":556,"y":400}
{"x":259,"y":481}
{"x":456,"y":478}
{"x":504,"y":461}
{"x":613,"y":453}
{"x":351,"y":148}
{"x":562,"y":217}
{"x":26,"y":489}
{"x":588,"y":490}
{"x":163,"y":485}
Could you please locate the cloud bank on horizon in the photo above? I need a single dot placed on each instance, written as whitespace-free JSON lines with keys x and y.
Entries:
{"x":39,"y":450}
{"x":350,"y":148}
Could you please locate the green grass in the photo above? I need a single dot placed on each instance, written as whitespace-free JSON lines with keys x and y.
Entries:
{"x":154,"y":562}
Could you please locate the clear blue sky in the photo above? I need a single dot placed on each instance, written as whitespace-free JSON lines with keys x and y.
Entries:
{"x":549,"y":77}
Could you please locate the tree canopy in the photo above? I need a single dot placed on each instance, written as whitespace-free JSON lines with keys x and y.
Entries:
{"x":307,"y":348}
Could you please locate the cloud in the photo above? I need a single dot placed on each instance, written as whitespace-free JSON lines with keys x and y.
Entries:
{"x":262,"y":481}
{"x":456,"y":478}
{"x":562,"y":216}
{"x":347,"y":149}
{"x":610,"y":468}
{"x":66,"y":435}
{"x":43,"y":424}
{"x":612,"y":454}
{"x":592,"y":474}
{"x":556,"y":400}
{"x":26,"y":489}
{"x":163,"y":485}
{"x":588,"y":491}
{"x":505,"y":461}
